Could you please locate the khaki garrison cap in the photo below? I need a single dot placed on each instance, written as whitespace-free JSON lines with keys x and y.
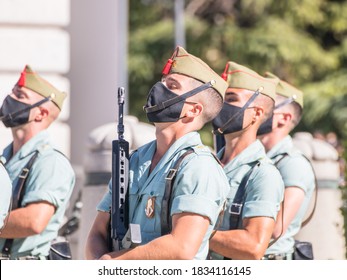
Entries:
{"x":184,"y":63}
{"x":31,"y":80}
{"x":239,"y":76}
{"x":287,"y":90}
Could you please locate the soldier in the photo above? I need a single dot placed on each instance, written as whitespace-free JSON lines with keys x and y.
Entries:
{"x":44,"y":175}
{"x":296,"y":171}
{"x":200,"y":186}
{"x":6,"y":193}
{"x":256,"y":187}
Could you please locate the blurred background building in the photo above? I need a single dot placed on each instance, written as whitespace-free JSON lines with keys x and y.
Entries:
{"x":65,"y":41}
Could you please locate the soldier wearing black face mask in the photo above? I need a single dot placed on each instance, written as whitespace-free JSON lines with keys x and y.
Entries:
{"x":256,"y":187}
{"x":176,"y":223}
{"x":15,"y":113}
{"x":163,"y":105}
{"x":266,"y":127}
{"x":42,"y":177}
{"x":295,"y":169}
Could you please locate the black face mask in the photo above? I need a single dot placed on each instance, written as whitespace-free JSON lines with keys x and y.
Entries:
{"x":266,"y":127}
{"x":229,"y":112}
{"x":230,"y":118}
{"x":14,"y":113}
{"x":163,"y":105}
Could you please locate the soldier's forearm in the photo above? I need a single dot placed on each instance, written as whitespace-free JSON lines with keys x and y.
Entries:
{"x":96,"y":247}
{"x":162,"y":248}
{"x":27,"y":221}
{"x":236,"y":244}
{"x":15,"y":230}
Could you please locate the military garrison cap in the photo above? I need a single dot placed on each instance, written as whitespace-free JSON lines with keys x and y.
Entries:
{"x":184,"y":63}
{"x":33,"y":81}
{"x":287,"y":90}
{"x":239,"y":76}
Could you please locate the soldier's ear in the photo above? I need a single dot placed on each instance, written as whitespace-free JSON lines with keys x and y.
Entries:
{"x":284,"y":118}
{"x":194,"y":110}
{"x":259,"y":113}
{"x":41,"y":114}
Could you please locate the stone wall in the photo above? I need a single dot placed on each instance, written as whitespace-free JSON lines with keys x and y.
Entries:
{"x":33,"y":32}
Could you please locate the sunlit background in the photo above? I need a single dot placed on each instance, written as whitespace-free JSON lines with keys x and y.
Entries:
{"x":89,"y":48}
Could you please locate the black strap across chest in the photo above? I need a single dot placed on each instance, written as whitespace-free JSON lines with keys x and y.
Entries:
{"x":17,"y":197}
{"x":236,"y":206}
{"x":165,"y":217}
{"x":276,"y":163}
{"x":305,"y":222}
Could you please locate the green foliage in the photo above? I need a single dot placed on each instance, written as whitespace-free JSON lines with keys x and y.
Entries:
{"x":327,"y":103}
{"x":302,"y":41}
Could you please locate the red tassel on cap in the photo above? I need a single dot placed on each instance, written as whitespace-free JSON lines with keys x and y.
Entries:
{"x":21,"y":81}
{"x":167,"y":67}
{"x":225,"y":74}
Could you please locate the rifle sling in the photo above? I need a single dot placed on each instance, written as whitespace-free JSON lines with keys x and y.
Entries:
{"x":237,"y":206}
{"x":305,"y":222}
{"x":17,"y":197}
{"x":165,"y":218}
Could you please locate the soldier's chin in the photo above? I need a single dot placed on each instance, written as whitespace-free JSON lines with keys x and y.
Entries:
{"x":163,"y":124}
{"x":234,"y":134}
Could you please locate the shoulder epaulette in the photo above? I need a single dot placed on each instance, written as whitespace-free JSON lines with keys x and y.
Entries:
{"x":201,"y":149}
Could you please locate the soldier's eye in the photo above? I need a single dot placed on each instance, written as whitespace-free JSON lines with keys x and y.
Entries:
{"x":230,"y":99}
{"x":172,"y":86}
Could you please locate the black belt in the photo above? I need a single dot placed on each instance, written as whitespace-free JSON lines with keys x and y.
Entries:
{"x":2,"y":257}
{"x":288,"y":256}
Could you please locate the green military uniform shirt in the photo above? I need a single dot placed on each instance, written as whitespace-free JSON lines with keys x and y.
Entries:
{"x":6,"y":194}
{"x":50,"y":179}
{"x":264,"y":190}
{"x":200,"y":186}
{"x":295,"y":171}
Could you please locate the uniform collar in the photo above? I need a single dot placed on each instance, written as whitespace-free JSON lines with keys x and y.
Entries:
{"x":38,"y":140}
{"x":252,"y":153}
{"x":183,"y":143}
{"x":186,"y":141}
{"x":281,"y":147}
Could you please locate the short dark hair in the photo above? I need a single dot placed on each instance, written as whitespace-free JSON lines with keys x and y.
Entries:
{"x":297,"y":110}
{"x":267,"y":103}
{"x":294,"y":107}
{"x":210,"y":99}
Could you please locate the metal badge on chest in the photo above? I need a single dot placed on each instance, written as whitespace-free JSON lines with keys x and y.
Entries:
{"x":150,"y":207}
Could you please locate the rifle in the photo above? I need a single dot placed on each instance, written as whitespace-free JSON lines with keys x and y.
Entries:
{"x":123,"y":235}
